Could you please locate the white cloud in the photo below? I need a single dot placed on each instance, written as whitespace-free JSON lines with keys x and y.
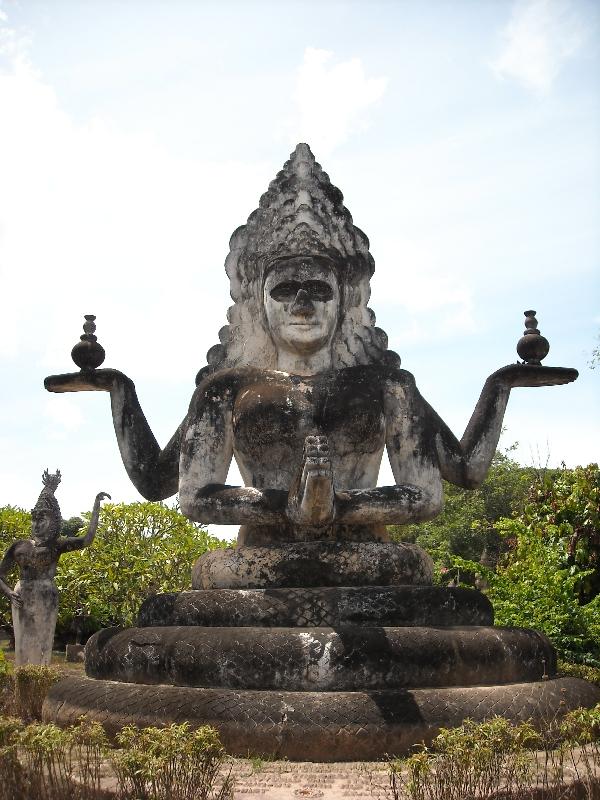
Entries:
{"x":331,"y":100}
{"x":94,"y":219}
{"x":540,"y":37}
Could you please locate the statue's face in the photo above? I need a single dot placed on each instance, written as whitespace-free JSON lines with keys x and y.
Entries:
{"x":301,"y":298}
{"x":43,"y":525}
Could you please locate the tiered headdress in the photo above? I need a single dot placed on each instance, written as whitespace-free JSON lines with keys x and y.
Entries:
{"x":301,"y":214}
{"x":47,"y":501}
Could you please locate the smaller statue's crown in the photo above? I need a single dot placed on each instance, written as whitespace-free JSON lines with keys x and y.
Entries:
{"x":47,"y":502}
{"x":51,"y":481}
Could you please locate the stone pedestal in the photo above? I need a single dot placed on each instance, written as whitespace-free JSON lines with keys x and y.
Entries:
{"x":288,"y":653}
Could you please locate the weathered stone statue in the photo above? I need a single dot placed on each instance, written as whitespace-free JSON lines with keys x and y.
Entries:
{"x":336,"y":623}
{"x":35,"y":597}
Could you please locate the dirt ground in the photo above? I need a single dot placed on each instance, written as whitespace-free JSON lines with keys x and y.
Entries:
{"x":280,"y":780}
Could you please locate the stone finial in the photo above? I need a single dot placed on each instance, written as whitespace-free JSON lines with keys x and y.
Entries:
{"x":532,"y":346}
{"x":88,"y":353}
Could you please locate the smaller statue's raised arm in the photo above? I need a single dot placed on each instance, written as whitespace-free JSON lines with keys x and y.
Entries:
{"x":153,"y":472}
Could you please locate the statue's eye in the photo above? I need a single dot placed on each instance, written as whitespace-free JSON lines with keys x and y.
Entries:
{"x":286,"y":291}
{"x":318,"y":290}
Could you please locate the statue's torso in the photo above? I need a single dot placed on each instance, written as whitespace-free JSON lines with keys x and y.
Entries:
{"x":36,"y":561}
{"x":273,"y":413}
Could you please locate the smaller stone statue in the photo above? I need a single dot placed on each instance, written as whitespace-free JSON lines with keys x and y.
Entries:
{"x":35,"y":597}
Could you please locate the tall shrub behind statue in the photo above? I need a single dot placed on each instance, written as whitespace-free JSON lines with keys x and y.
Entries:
{"x":550,"y":579}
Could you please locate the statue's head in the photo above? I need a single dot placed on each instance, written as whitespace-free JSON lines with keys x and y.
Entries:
{"x":46,"y":519}
{"x":300,"y":241}
{"x":301,"y":299}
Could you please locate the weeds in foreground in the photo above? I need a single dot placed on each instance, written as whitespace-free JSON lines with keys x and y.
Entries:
{"x":49,"y":763}
{"x":173,"y":762}
{"x":31,"y":683}
{"x":496,"y":759}
{"x":23,"y":689}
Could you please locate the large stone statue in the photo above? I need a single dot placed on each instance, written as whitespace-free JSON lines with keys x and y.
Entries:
{"x":35,"y":597}
{"x":303,"y":392}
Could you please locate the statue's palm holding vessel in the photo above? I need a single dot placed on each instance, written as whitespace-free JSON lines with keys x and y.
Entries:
{"x":335,"y":623}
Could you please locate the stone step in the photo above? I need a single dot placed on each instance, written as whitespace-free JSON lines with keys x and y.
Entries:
{"x":348,"y":658}
{"x":314,"y":564}
{"x":329,"y":607}
{"x":314,"y":726}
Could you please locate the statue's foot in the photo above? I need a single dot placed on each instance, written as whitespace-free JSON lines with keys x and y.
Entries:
{"x":314,"y":504}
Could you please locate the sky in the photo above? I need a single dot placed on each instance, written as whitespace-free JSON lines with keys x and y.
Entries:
{"x":136,"y":136}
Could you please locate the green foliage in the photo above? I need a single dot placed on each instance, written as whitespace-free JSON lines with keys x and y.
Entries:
{"x":15,"y":523}
{"x":140,"y":549}
{"x":52,"y":763}
{"x":541,"y":530}
{"x":31,"y":683}
{"x":493,"y":758}
{"x":534,"y":589}
{"x":551,"y":577}
{"x":467,"y":526}
{"x":4,"y":665}
{"x":171,"y":763}
{"x":583,"y":671}
{"x":567,"y":510}
{"x":13,"y":782}
{"x":71,"y":526}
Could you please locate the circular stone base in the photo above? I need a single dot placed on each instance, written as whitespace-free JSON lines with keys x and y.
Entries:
{"x":314,"y":726}
{"x":387,"y":606}
{"x":310,"y":564}
{"x":319,"y":659}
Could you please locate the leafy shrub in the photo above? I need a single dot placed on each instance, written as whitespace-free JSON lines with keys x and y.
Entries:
{"x":50,"y":763}
{"x":30,"y":686}
{"x":13,"y":782}
{"x":494,"y":759}
{"x":4,"y":666}
{"x":587,"y":673}
{"x":550,"y":575}
{"x":467,"y":526}
{"x":172,"y":763}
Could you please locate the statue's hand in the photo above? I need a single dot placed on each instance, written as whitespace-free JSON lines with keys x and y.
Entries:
{"x":16,"y":598}
{"x":102,"y":496}
{"x":532,"y":375}
{"x":313,"y":503}
{"x":92,"y":380}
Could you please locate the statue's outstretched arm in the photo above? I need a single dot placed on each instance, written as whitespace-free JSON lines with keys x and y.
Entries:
{"x":466,"y":462}
{"x":153,"y":472}
{"x":69,"y":543}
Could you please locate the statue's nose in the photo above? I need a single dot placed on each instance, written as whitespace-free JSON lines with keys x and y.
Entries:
{"x":302,"y":305}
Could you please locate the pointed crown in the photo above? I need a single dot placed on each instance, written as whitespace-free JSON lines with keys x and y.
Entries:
{"x":301,"y":214}
{"x":47,"y":501}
